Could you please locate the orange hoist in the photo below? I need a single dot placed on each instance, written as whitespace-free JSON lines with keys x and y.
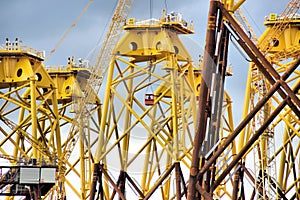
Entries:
{"x":149,"y":96}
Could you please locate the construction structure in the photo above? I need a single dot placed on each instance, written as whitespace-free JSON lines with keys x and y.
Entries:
{"x":36,"y":110}
{"x":269,"y":95}
{"x":149,"y":111}
{"x":163,"y":129}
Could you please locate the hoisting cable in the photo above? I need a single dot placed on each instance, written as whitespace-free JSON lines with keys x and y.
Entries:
{"x":251,"y":18}
{"x":151,"y":9}
{"x":101,"y":38}
{"x":237,"y":48}
{"x":149,"y":77}
{"x":69,"y":29}
{"x":149,"y":96}
{"x":236,"y":38}
{"x":166,"y":6}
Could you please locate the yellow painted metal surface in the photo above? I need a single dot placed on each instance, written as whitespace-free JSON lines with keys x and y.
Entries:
{"x":142,"y":139}
{"x":146,"y":140}
{"x":35,"y":116}
{"x":280,"y":43}
{"x":288,"y":40}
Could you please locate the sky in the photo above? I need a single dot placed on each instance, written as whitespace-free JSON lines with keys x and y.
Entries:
{"x":41,"y":23}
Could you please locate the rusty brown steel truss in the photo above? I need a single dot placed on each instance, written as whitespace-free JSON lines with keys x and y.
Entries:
{"x":203,"y":181}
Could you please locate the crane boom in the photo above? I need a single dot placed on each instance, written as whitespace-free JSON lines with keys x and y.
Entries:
{"x":99,"y":69}
{"x":113,"y":34}
{"x":92,"y":88}
{"x":85,"y":105}
{"x":245,"y":24}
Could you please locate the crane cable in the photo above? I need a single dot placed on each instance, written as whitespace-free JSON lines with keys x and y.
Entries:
{"x":232,"y":39}
{"x":151,"y":9}
{"x":69,"y":29}
{"x":166,"y":6}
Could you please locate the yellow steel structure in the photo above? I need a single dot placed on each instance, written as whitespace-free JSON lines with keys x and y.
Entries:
{"x":148,"y":138}
{"x":24,"y":81}
{"x":149,"y":111}
{"x":77,"y":157}
{"x":87,"y":108}
{"x":276,"y":156}
{"x":139,"y":143}
{"x":35,"y":115}
{"x":271,"y":162}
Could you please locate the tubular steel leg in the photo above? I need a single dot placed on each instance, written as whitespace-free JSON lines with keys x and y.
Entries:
{"x":203,"y":97}
{"x":94,"y":181}
{"x":33,"y":115}
{"x":235,"y":186}
{"x":252,"y":140}
{"x":108,"y":178}
{"x":261,"y":62}
{"x":120,"y":184}
{"x":246,"y":120}
{"x":178,"y":181}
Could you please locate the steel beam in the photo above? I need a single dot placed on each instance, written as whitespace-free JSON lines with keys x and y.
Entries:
{"x":159,"y":181}
{"x":203,"y":104}
{"x":261,"y":62}
{"x":258,"y":106}
{"x":252,"y":140}
{"x":134,"y":185}
{"x":115,"y":186}
{"x":94,"y":181}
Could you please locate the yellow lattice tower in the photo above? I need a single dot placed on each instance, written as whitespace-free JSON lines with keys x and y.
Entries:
{"x":149,"y":112}
{"x":275,"y":171}
{"x":35,"y":105}
{"x":79,"y":135}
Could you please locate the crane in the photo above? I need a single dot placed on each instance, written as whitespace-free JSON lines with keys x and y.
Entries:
{"x":97,"y":72}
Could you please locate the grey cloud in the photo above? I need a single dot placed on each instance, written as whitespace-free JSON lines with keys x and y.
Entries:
{"x":41,"y":23}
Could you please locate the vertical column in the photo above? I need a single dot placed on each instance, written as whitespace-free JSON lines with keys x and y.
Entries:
{"x":178,"y":180}
{"x":126,"y":139}
{"x":174,"y":110}
{"x":18,"y":136}
{"x":57,"y":126}
{"x":82,"y":164}
{"x":203,"y":104}
{"x":33,"y":115}
{"x":244,"y":133}
{"x":101,"y":136}
{"x":104,"y":112}
{"x":58,"y":143}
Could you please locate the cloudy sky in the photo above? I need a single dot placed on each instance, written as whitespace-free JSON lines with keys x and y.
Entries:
{"x":41,"y":23}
